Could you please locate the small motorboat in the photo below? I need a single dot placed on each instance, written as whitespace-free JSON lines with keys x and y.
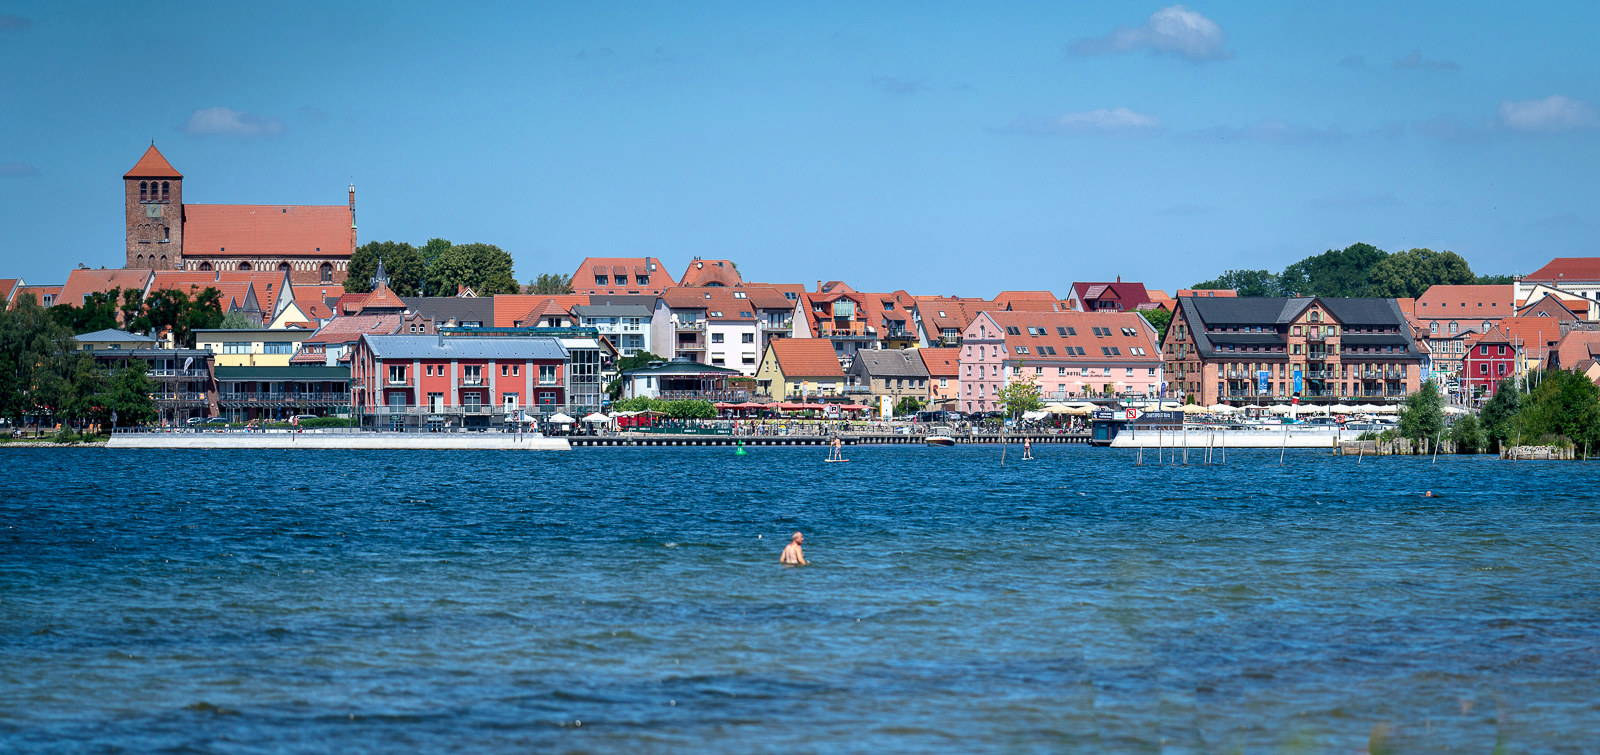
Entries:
{"x":939,"y":439}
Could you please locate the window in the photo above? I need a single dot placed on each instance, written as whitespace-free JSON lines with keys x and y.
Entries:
{"x":327,"y":273}
{"x":144,"y":191}
{"x":747,"y":338}
{"x":236,"y":347}
{"x":1502,"y":350}
{"x":428,"y":370}
{"x":601,"y":280}
{"x":1022,"y":349}
{"x":717,"y":313}
{"x":1433,"y":327}
{"x":944,"y":382}
{"x":642,"y":280}
{"x":516,"y":370}
{"x":397,"y":373}
{"x":472,"y":374}
{"x":716,"y":338}
{"x":1061,"y":370}
{"x":505,"y":370}
{"x":166,"y":191}
{"x":277,"y":347}
{"x":547,"y":374}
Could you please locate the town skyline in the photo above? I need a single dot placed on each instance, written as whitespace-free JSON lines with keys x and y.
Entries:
{"x":1159,"y":143}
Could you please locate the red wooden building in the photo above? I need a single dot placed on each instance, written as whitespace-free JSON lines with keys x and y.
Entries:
{"x":1490,"y":358}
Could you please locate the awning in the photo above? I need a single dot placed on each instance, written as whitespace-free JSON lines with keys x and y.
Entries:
{"x":596,"y":417}
{"x":560,"y":419}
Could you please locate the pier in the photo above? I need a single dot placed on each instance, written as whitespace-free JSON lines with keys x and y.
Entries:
{"x":849,"y":439}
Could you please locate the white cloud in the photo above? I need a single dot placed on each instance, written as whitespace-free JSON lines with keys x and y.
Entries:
{"x":1116,"y":121}
{"x":221,"y":120}
{"x":1551,"y":114}
{"x":1173,"y":29}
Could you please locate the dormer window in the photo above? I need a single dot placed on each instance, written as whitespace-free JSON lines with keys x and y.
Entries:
{"x":601,"y":280}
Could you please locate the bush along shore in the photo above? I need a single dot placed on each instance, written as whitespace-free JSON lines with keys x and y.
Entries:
{"x":1547,"y":414}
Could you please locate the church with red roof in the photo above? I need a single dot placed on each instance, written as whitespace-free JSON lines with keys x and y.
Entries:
{"x":311,"y":243}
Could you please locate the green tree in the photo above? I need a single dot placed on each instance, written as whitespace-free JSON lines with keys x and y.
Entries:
{"x":237,"y":321}
{"x":1410,"y":273}
{"x":401,"y":261}
{"x":1021,"y":394}
{"x":127,"y":397}
{"x":1467,"y":435}
{"x":35,"y":351}
{"x":170,"y":309}
{"x":1564,"y":404}
{"x":98,"y":311}
{"x":551,"y":283}
{"x":1335,"y":272}
{"x":1422,"y":417}
{"x":1246,"y":282}
{"x":1494,"y":280}
{"x":1501,"y":416}
{"x":908,"y":405}
{"x":485,"y":268}
{"x":432,"y":250}
{"x":1158,"y":319}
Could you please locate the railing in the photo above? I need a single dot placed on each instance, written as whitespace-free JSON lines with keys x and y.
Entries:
{"x":724,"y":395}
{"x":785,"y":325}
{"x":855,"y":389}
{"x":1315,"y":335}
{"x":691,"y":346}
{"x":180,"y":373}
{"x":696,"y":325}
{"x":187,"y":396}
{"x":472,"y":382}
{"x":284,"y":397}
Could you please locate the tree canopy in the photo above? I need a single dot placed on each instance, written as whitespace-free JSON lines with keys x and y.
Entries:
{"x":551,"y":283}
{"x":1021,"y":394}
{"x":1356,"y":270}
{"x":401,"y":261}
{"x":1422,"y":417}
{"x":484,"y":268}
{"x":1158,"y":319}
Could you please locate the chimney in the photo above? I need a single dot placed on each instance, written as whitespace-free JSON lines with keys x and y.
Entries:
{"x":1119,"y":279}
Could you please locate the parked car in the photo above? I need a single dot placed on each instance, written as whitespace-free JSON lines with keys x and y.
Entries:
{"x":1323,"y":421}
{"x":217,"y":421}
{"x":194,"y":420}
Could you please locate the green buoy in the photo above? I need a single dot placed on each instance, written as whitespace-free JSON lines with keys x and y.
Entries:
{"x":740,"y":452}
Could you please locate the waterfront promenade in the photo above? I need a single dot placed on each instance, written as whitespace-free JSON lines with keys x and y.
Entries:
{"x":330,"y":440}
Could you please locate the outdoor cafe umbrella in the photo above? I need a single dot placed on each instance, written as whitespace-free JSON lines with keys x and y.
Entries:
{"x":1279,"y":409}
{"x":1341,"y":409}
{"x":597,"y":417}
{"x":1385,"y":410}
{"x":1058,"y":409}
{"x":1194,"y":409}
{"x":1454,"y":410}
{"x":1222,"y":409}
{"x":1367,"y":408}
{"x":1314,"y":409}
{"x":560,"y":419}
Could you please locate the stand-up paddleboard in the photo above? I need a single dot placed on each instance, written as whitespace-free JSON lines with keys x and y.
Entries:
{"x":835,"y":461}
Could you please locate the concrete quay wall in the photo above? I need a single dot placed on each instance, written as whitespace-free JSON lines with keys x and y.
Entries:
{"x":358,"y":441}
{"x":1227,"y":439}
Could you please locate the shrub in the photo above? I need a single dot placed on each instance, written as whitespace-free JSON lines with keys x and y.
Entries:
{"x":1467,"y":435}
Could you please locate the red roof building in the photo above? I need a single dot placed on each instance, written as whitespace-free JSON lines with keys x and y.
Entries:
{"x":44,"y":296}
{"x":8,"y":286}
{"x":711,"y":273}
{"x":1067,"y":354}
{"x":1115,"y":296}
{"x":800,"y":367}
{"x":618,"y":276}
{"x":82,"y":281}
{"x":312,"y":244}
{"x":944,"y":376}
{"x":1490,"y":358}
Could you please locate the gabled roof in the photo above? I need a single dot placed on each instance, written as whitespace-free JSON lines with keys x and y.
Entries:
{"x":1466,"y":302}
{"x":38,"y":292}
{"x":612,"y":310}
{"x":546,"y":308}
{"x":1575,"y":347}
{"x":509,"y":309}
{"x":942,"y":312}
{"x":941,"y":362}
{"x":382,"y":298}
{"x":455,"y":309}
{"x":1551,"y":307}
{"x":268,"y":284}
{"x":1129,"y":294}
{"x":727,"y":300}
{"x":8,"y":286}
{"x":286,"y":230}
{"x":1020,"y":299}
{"x":1182,"y":292}
{"x":1533,"y":334}
{"x":152,"y":165}
{"x":711,"y":273}
{"x":83,"y":281}
{"x":583,"y":280}
{"x":313,"y":305}
{"x":351,"y":327}
{"x":893,"y":363}
{"x":349,"y":303}
{"x":1207,"y":313}
{"x":806,"y":358}
{"x":1567,"y":270}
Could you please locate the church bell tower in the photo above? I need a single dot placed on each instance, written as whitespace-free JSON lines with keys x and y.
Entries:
{"x":154,"y":202}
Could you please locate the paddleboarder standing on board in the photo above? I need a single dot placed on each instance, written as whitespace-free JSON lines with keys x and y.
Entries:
{"x":792,"y":555}
{"x":837,"y":454}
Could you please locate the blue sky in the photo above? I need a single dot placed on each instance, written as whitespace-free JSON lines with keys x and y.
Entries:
{"x":941,"y":148}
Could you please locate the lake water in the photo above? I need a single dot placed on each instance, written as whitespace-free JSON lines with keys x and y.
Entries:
{"x":630,"y":600}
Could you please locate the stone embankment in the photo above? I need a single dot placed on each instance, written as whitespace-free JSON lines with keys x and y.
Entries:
{"x":50,"y":444}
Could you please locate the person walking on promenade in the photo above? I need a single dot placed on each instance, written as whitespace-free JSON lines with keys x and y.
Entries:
{"x":792,"y":554}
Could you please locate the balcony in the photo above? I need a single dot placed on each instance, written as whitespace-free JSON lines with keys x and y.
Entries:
{"x":471,"y":382}
{"x":286,"y":398}
{"x":697,"y":325}
{"x":784,"y":325}
{"x":735,"y":397}
{"x":189,"y":374}
{"x":1315,"y":335}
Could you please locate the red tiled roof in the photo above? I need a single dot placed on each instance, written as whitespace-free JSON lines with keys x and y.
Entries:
{"x":509,"y":309}
{"x":787,"y":289}
{"x":152,"y":165}
{"x":82,"y":281}
{"x":941,"y":362}
{"x":545,"y":308}
{"x":382,"y":298}
{"x":1046,"y":332}
{"x":350,"y":328}
{"x":1130,"y":293}
{"x":1534,"y":334}
{"x":39,"y":294}
{"x":269,"y":284}
{"x":1471,"y":302}
{"x":312,"y":305}
{"x":286,"y":230}
{"x":1552,"y":307}
{"x":711,"y":273}
{"x":1208,"y":292}
{"x":1575,"y":347}
{"x":806,"y":358}
{"x":1566,"y":270}
{"x":941,"y":312}
{"x":7,"y":285}
{"x":349,"y":303}
{"x":731,"y":302}
{"x":631,"y":267}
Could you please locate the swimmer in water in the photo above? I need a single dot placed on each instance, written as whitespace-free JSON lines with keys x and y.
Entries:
{"x":1428,"y":494}
{"x":792,"y":555}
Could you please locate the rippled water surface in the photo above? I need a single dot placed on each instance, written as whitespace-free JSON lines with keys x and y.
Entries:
{"x":631,"y":600}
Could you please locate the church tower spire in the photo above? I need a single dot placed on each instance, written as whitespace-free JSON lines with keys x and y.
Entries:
{"x":153,"y":213}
